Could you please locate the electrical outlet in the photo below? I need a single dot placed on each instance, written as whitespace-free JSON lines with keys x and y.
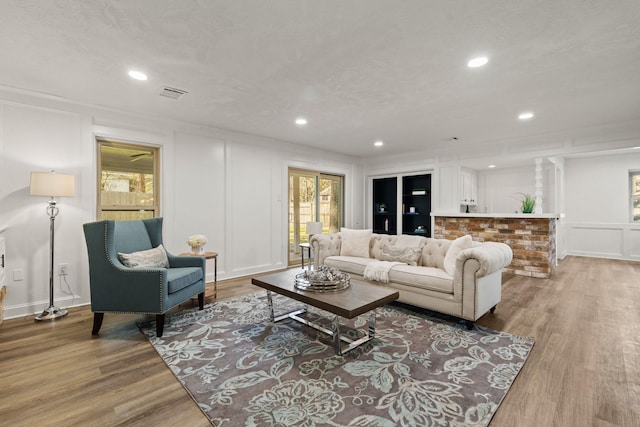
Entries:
{"x":63,"y":269}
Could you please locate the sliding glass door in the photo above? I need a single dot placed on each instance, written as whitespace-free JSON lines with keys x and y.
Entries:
{"x":313,"y":197}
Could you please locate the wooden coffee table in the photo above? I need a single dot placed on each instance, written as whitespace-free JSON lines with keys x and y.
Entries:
{"x":359,"y":298}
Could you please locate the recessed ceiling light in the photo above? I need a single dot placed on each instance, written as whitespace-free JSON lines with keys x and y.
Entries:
{"x":491,"y":166}
{"x":301,"y":121}
{"x":378,"y":143}
{"x":138,"y":75}
{"x":525,"y":116}
{"x":478,"y":62}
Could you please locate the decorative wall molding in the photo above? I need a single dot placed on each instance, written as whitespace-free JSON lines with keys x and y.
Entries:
{"x":604,"y":240}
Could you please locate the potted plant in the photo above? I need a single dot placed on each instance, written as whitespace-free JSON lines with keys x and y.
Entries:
{"x":382,"y":207}
{"x":527,"y":203}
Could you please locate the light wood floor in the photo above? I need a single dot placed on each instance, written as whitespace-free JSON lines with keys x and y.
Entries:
{"x":584,"y":369}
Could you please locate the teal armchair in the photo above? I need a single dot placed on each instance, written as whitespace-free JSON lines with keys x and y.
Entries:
{"x":153,"y":290}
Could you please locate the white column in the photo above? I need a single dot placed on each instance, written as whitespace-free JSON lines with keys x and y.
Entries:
{"x":539,"y":187}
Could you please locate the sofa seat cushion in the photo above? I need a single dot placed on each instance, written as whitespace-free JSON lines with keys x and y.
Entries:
{"x":181,"y":277}
{"x":433,"y":279}
{"x":348,"y":264}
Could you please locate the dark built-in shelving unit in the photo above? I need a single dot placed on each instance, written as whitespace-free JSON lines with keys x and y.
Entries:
{"x":416,"y":193}
{"x":416,"y":205}
{"x":385,"y":205}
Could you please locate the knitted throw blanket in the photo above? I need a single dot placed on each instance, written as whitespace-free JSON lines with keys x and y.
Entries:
{"x":379,"y":270}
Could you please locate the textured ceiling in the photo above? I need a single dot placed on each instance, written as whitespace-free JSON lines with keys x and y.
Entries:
{"x":359,"y":70}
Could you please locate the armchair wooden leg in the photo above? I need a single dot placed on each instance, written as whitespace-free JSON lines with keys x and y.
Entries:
{"x":201,"y":300}
{"x":97,"y":323}
{"x":159,"y":324}
{"x":492,"y":309}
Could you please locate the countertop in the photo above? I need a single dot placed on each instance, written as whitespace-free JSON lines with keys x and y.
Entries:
{"x":494,"y":215}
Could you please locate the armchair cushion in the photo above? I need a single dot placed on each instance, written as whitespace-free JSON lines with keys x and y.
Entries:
{"x":150,"y":258}
{"x":181,"y":277}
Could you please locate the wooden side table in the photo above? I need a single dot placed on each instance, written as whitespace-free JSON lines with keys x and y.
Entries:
{"x":214,"y":256}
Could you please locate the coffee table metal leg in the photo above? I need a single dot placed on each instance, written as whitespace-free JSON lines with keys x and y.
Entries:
{"x":335,"y":331}
{"x":372,"y":324}
{"x":270,"y":304}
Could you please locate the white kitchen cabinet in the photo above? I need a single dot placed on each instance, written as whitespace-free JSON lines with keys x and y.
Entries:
{"x":468,"y":187}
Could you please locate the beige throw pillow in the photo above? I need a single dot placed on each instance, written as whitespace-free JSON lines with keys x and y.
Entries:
{"x":407,"y":255}
{"x":355,"y":242}
{"x":458,"y":245}
{"x":151,"y":258}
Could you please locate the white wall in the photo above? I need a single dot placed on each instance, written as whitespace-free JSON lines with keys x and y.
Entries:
{"x":598,"y":206}
{"x":499,"y":189}
{"x":228,"y":186}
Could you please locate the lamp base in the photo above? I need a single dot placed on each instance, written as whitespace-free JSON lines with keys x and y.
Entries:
{"x":52,"y":313}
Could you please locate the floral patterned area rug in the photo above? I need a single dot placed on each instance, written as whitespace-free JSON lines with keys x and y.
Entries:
{"x":420,"y":370}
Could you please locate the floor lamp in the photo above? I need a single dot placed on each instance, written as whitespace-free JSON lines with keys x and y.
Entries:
{"x":53,"y":185}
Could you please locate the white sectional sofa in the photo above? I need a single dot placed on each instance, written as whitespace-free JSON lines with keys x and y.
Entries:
{"x":461,"y":278}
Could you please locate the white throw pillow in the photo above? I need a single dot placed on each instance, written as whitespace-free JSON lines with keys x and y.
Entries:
{"x":151,"y":258}
{"x":458,"y":245}
{"x":395,"y":253}
{"x":355,"y":242}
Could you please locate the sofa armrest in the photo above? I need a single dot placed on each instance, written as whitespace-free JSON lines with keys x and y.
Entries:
{"x":478,"y":278}
{"x":491,"y":256}
{"x":324,"y":245}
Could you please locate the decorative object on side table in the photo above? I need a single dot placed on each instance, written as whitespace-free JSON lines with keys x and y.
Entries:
{"x":527,"y":203}
{"x":197,"y":242}
{"x":382,"y":207}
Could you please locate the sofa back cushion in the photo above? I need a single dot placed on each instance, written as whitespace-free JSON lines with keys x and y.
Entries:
{"x":377,"y":244}
{"x":434,"y":252}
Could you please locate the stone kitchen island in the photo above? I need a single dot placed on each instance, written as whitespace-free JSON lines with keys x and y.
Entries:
{"x":532,"y":237}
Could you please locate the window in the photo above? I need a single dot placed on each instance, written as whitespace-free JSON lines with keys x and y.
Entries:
{"x":127,"y":181}
{"x":634,"y":179}
{"x":313,"y":196}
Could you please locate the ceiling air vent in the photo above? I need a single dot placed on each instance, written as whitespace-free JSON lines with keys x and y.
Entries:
{"x":172,"y":92}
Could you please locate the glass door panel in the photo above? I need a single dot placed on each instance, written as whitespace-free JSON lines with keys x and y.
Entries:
{"x":330,"y":203}
{"x":313,"y":197}
{"x":302,"y":209}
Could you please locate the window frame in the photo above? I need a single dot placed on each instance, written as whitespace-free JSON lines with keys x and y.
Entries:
{"x":634,"y":196}
{"x":155,"y":207}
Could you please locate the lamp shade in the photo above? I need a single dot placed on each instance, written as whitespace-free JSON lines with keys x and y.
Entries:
{"x":314,"y":227}
{"x":52,"y":184}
